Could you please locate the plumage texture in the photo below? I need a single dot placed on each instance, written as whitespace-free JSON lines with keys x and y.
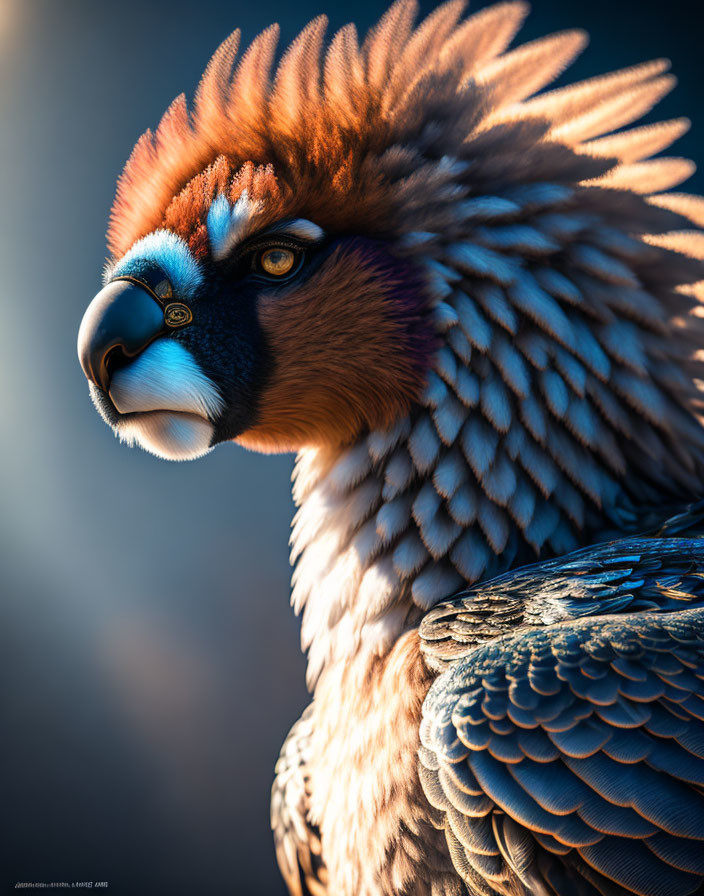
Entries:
{"x":297,"y":841}
{"x":557,"y":302}
{"x":564,"y":393}
{"x":587,"y":734}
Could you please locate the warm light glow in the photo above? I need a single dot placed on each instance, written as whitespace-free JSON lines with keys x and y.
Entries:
{"x":9,"y":10}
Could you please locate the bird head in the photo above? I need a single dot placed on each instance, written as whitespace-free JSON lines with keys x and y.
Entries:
{"x":257,"y":290}
{"x":406,"y":236}
{"x":247,"y":316}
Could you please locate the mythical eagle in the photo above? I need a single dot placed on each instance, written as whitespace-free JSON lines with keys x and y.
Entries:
{"x":474,"y":310}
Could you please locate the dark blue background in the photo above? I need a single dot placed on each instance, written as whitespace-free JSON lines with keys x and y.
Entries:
{"x":150,"y":659}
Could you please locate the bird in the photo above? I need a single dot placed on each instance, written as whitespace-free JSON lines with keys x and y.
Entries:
{"x":470,"y":301}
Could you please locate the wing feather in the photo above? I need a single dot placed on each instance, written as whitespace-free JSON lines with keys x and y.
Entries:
{"x":585,"y":734}
{"x":296,"y":839}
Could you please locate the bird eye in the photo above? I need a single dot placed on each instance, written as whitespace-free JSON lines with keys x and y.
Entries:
{"x":278,"y":261}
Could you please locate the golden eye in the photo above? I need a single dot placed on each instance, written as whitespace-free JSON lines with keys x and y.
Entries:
{"x":277,"y":262}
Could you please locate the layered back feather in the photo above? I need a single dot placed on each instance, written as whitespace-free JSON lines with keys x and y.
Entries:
{"x":565,"y":283}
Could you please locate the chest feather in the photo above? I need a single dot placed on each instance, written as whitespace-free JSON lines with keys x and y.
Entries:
{"x":375,"y":826}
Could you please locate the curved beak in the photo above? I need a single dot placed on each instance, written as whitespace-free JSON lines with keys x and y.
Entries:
{"x":120,"y":322}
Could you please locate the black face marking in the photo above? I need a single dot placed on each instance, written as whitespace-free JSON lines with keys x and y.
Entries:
{"x":227,"y":340}
{"x":229,"y":346}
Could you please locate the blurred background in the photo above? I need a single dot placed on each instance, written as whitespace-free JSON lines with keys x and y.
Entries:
{"x":150,"y":662}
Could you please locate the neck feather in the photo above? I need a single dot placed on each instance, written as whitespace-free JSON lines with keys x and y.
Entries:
{"x":560,"y":408}
{"x":474,"y":480}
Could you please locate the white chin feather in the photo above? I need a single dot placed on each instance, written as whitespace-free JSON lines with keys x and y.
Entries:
{"x":169,"y":400}
{"x":171,"y":435}
{"x":165,"y":377}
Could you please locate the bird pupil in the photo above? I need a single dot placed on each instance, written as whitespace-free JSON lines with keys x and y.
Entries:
{"x":277,"y":261}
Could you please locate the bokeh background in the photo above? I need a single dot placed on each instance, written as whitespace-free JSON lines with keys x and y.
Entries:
{"x":150,"y":663}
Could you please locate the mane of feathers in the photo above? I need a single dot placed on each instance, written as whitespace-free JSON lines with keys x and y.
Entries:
{"x":565,"y":284}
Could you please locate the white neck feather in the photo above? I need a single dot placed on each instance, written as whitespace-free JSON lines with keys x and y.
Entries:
{"x":351,"y":541}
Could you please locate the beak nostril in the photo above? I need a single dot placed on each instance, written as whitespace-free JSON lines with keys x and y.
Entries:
{"x":113,"y":361}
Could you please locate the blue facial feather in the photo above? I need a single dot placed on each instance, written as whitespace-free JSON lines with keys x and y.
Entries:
{"x":219,"y":223}
{"x":170,"y":252}
{"x":227,"y":223}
